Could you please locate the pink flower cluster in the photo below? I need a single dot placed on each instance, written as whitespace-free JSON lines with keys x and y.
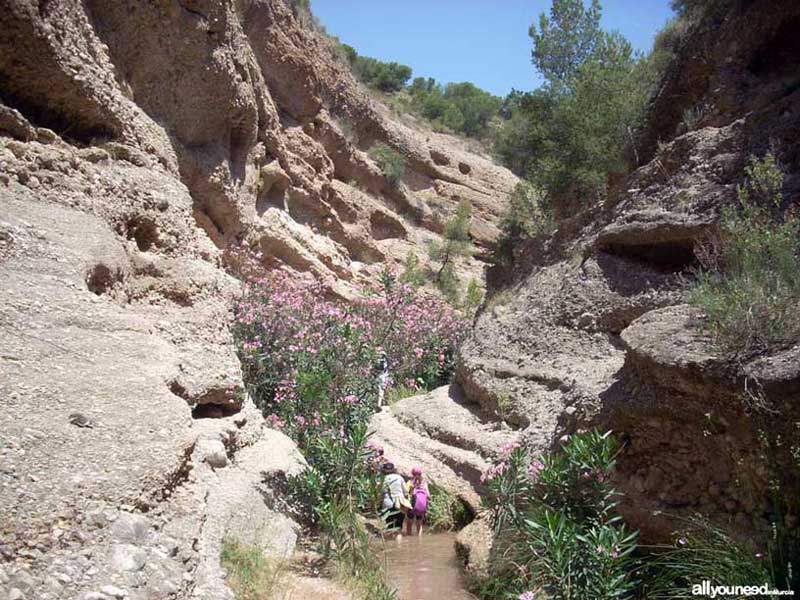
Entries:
{"x":534,"y":469}
{"x":308,"y":355}
{"x":494,"y":471}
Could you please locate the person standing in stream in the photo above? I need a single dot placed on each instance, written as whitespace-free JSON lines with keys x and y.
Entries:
{"x":395,"y":504}
{"x":420,"y":495}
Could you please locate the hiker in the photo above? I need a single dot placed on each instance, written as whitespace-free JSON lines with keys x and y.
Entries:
{"x":420,"y":496}
{"x":394,"y":502}
{"x":383,"y":378}
{"x":377,"y":460}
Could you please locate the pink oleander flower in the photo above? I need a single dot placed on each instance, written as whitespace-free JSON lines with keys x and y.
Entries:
{"x":494,"y":471}
{"x":534,"y":469}
{"x":506,"y":450}
{"x":527,"y":596}
{"x":275,"y":421}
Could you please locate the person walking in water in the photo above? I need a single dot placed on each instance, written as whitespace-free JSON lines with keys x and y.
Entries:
{"x":383,"y":378}
{"x":394,"y":502}
{"x":418,"y":491}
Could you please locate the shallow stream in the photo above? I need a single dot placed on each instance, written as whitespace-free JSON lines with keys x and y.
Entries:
{"x":425,"y":568}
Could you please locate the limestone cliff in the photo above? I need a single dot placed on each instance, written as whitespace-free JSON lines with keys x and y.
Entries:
{"x":139,"y":141}
{"x":591,"y":330}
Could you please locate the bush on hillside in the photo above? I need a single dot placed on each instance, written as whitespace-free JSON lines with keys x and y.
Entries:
{"x":455,"y":245}
{"x":526,"y":216}
{"x":749,"y":283}
{"x":377,"y":74}
{"x":391,"y":162}
{"x":458,"y":107}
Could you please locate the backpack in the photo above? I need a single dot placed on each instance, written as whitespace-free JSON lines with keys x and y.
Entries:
{"x":419,"y":500}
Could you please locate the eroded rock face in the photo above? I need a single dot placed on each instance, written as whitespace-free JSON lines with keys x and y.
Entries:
{"x":262,"y":123}
{"x":140,"y":141}
{"x":590,"y":330}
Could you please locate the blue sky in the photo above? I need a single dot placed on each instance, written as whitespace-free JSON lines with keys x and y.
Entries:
{"x":482,"y":41}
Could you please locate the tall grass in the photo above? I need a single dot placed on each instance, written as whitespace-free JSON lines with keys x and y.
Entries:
{"x":749,"y":283}
{"x":705,"y":552}
{"x":251,"y":574}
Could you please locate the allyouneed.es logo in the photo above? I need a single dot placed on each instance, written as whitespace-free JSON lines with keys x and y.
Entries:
{"x":724,"y":591}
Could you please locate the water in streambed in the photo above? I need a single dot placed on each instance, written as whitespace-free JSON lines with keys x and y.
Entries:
{"x":425,"y":568}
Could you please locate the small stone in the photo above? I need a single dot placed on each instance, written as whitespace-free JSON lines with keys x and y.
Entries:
{"x":130,"y":528}
{"x":23,"y":581}
{"x":113,"y":591}
{"x":33,"y":182}
{"x":126,"y":557}
{"x":213,"y":453}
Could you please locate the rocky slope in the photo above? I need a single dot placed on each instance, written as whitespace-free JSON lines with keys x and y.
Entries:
{"x":591,"y":330}
{"x":139,"y":143}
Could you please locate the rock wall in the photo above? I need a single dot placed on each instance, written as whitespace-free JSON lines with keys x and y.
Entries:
{"x":139,"y":142}
{"x":591,"y":331}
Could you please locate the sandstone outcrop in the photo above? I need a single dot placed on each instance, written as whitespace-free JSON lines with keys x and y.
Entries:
{"x":140,"y":144}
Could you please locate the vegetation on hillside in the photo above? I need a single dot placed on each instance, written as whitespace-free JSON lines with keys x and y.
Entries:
{"x":749,"y":283}
{"x":461,"y":108}
{"x":455,"y":245}
{"x":390,"y":161}
{"x":383,"y":76}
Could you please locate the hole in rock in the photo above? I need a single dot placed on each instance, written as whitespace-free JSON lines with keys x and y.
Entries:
{"x":385,"y":227}
{"x":439,"y":158}
{"x":144,"y":232}
{"x":176,"y":388}
{"x":101,"y":278}
{"x":464,"y":168}
{"x":212,"y":411}
{"x":666,"y":256}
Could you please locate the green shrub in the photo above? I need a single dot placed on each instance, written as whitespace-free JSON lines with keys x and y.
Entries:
{"x":556,"y":526}
{"x":299,"y":6}
{"x":446,"y":511}
{"x":414,"y":274}
{"x":349,"y":544}
{"x":527,"y":216}
{"x":749,"y":283}
{"x":250,"y":574}
{"x":379,"y":75}
{"x":455,"y":245}
{"x":473,"y":297}
{"x":457,"y":107}
{"x":391,"y":163}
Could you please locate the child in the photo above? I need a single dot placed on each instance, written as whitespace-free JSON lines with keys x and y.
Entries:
{"x":420,"y":496}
